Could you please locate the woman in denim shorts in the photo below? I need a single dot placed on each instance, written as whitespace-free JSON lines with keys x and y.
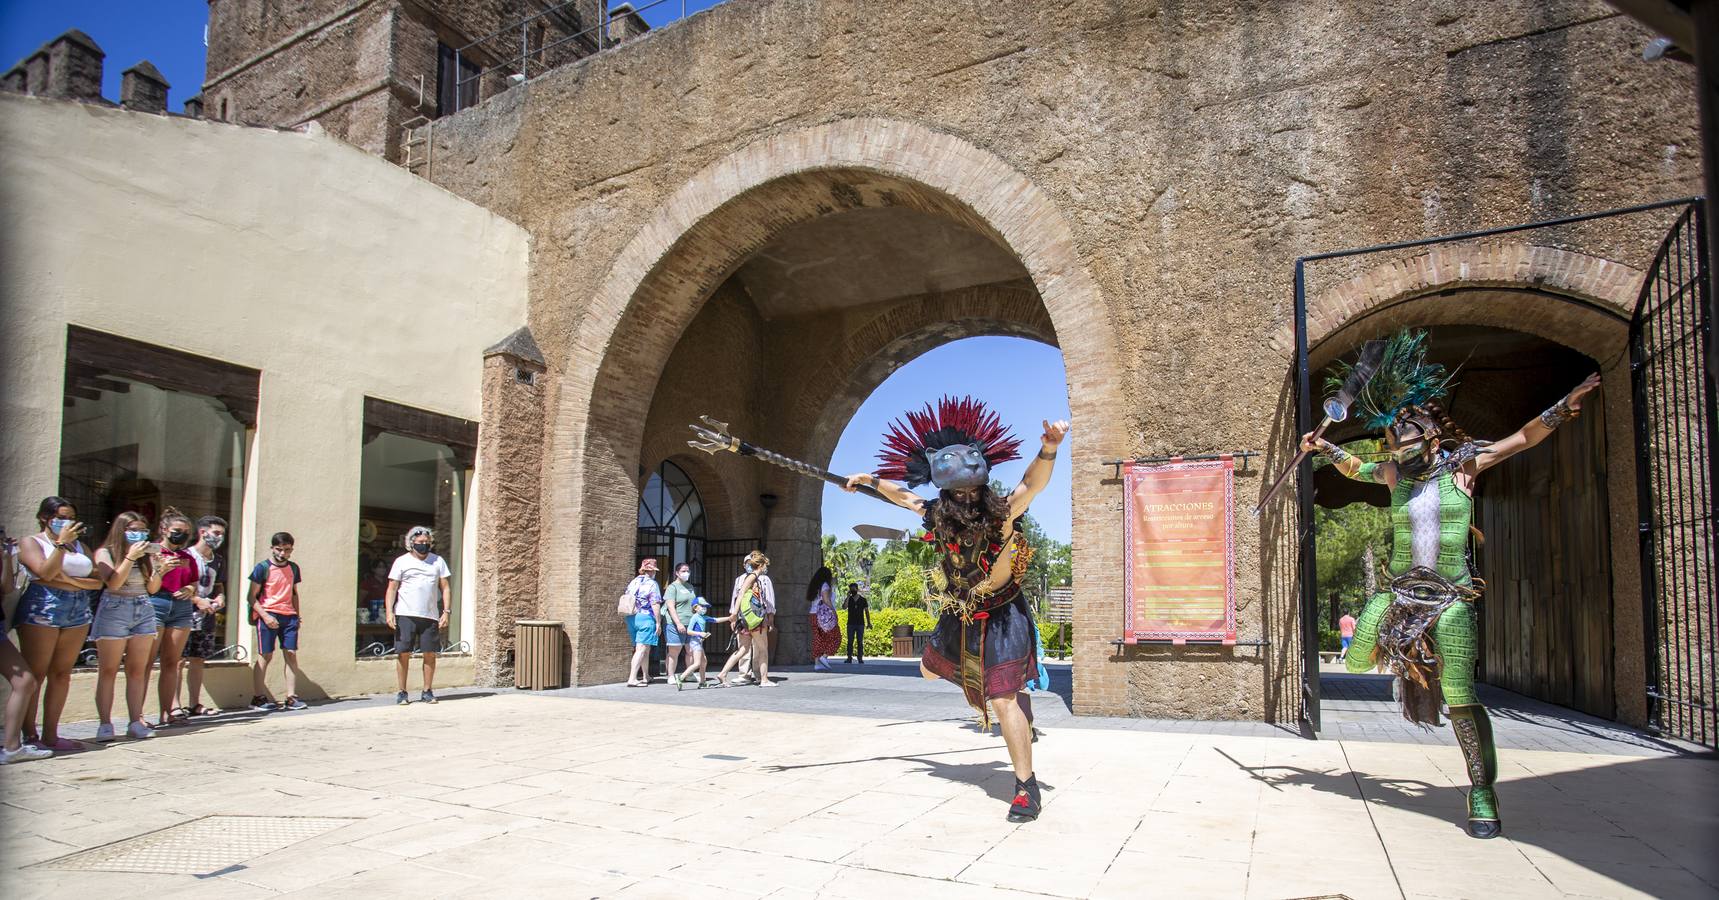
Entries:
{"x":124,"y":627}
{"x":173,"y":606}
{"x":53,"y":615}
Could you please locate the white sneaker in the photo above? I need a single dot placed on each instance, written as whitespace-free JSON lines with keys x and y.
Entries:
{"x":104,"y":732}
{"x":138,"y":730}
{"x":24,"y":753}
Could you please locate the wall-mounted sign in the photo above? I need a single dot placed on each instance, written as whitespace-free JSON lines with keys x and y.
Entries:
{"x":1179,"y":551}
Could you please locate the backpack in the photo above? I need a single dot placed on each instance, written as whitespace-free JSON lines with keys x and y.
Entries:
{"x":752,"y":609}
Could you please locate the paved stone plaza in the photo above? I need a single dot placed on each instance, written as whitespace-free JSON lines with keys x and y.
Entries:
{"x":746,"y":793}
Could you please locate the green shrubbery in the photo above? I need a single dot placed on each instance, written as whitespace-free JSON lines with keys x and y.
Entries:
{"x":879,"y":639}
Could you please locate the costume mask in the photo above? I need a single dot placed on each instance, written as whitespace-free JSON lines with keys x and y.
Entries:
{"x":958,"y":466}
{"x":952,"y":446}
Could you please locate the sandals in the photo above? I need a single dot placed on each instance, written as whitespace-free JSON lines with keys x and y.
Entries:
{"x":201,"y":710}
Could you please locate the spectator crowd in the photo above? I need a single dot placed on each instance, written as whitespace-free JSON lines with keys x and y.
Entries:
{"x":150,"y":596}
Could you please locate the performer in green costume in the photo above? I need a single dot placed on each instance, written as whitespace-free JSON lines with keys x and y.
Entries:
{"x":1422,"y":629}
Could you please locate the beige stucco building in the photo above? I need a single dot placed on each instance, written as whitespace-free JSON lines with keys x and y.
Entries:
{"x":333,"y":276}
{"x":760,"y":212}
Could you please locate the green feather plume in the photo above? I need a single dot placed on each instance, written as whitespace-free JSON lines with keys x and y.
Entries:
{"x":1404,"y":378}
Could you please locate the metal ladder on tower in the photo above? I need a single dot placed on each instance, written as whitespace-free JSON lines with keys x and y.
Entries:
{"x":416,"y":149}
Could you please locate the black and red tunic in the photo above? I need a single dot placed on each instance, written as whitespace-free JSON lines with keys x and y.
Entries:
{"x":985,"y":644}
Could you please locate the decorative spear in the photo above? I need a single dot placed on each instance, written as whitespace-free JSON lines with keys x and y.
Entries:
{"x":713,"y":438}
{"x":1336,"y":410}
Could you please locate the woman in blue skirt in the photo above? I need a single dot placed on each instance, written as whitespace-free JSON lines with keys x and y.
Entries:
{"x":644,"y":625}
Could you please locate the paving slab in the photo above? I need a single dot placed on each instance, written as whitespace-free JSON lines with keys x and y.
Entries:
{"x":789,"y":793}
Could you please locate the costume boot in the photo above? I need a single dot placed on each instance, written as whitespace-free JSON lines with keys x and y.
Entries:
{"x":1474,"y":734}
{"x":1025,"y":807}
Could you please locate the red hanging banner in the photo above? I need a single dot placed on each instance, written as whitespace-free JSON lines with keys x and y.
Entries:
{"x":1179,"y":551}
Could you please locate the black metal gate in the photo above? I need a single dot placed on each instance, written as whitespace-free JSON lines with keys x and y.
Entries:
{"x":716,"y":565}
{"x":1673,"y":372}
{"x":1679,"y":261}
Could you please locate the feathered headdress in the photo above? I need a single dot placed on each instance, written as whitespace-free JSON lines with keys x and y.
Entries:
{"x":963,"y":421}
{"x":1404,"y":379}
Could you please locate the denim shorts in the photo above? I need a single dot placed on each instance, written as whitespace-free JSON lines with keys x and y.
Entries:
{"x":171,"y":612}
{"x":52,"y":607}
{"x":123,"y":617}
{"x":672,"y":636}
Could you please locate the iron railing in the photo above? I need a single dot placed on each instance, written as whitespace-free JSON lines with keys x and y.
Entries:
{"x":1672,"y":371}
{"x":1305,"y":420}
{"x":497,"y":47}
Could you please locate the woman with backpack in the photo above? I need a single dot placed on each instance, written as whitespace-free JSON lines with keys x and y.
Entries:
{"x":754,"y":613}
{"x":641,"y":604}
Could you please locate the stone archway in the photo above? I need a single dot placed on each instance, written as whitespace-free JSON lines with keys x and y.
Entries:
{"x":1575,"y":300}
{"x":696,"y":239}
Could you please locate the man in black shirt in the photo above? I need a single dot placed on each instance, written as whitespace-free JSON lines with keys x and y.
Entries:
{"x":859,"y":619}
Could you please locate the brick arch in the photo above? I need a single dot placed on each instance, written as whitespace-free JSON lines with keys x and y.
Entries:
{"x":1590,"y":293}
{"x":699,"y":236}
{"x":889,"y":340}
{"x":899,"y":334}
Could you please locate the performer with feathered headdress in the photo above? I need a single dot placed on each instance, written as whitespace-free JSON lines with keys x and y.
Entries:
{"x":1422,"y":629}
{"x":985,"y":641}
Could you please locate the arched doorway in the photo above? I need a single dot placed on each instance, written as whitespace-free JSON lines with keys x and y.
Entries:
{"x":1544,"y":550}
{"x":671,"y":521}
{"x":775,"y":360}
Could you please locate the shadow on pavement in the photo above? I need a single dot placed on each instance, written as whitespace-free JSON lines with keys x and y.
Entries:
{"x":1564,"y":813}
{"x":980,"y":775}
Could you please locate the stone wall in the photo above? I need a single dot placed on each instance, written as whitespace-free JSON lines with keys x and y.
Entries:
{"x":363,"y":68}
{"x":1156,"y":167}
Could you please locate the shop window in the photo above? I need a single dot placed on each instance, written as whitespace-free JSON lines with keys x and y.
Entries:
{"x":415,"y":470}
{"x":145,"y":428}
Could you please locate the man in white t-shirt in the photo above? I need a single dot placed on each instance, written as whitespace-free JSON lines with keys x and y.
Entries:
{"x":418,"y":602}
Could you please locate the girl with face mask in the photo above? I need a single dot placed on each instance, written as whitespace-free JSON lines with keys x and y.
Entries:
{"x":53,"y":615}
{"x":173,"y":608}
{"x":125,"y":627}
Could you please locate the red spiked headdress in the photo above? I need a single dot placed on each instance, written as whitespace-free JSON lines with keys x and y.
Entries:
{"x":963,"y":421}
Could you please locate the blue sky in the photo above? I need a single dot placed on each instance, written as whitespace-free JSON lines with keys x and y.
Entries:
{"x":168,"y":33}
{"x":1023,"y":380}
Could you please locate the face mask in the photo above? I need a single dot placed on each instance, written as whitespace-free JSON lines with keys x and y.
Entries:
{"x":58,"y":525}
{"x":421,"y":548}
{"x":279,"y":557}
{"x":177,"y":537}
{"x":136,"y":537}
{"x":749,"y":568}
{"x":213,"y":540}
{"x":682,"y":575}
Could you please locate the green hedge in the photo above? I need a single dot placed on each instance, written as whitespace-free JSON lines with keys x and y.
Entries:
{"x":1330,"y":641}
{"x":879,"y":639}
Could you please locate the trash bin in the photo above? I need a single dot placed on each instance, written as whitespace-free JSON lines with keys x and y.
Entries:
{"x":537,"y":662}
{"x":903,"y":638}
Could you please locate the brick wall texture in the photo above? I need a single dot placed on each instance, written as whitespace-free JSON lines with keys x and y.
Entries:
{"x":1156,"y":168}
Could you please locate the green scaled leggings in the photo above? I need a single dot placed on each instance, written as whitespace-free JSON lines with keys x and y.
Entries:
{"x":1455,"y":635}
{"x":1458,"y":645}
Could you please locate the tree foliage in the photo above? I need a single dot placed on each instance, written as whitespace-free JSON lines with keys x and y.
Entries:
{"x":897,"y":577}
{"x":1343,"y":535}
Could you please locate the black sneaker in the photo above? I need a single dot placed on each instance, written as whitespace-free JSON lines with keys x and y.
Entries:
{"x":401,"y":699}
{"x":427,"y":697}
{"x":1025,"y":806}
{"x":264,"y":704}
{"x":295,"y":703}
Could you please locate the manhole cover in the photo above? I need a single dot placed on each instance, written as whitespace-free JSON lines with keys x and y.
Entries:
{"x":199,"y":846}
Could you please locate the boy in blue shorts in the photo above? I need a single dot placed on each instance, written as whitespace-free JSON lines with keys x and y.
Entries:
{"x":697,"y":629}
{"x":274,"y":610}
